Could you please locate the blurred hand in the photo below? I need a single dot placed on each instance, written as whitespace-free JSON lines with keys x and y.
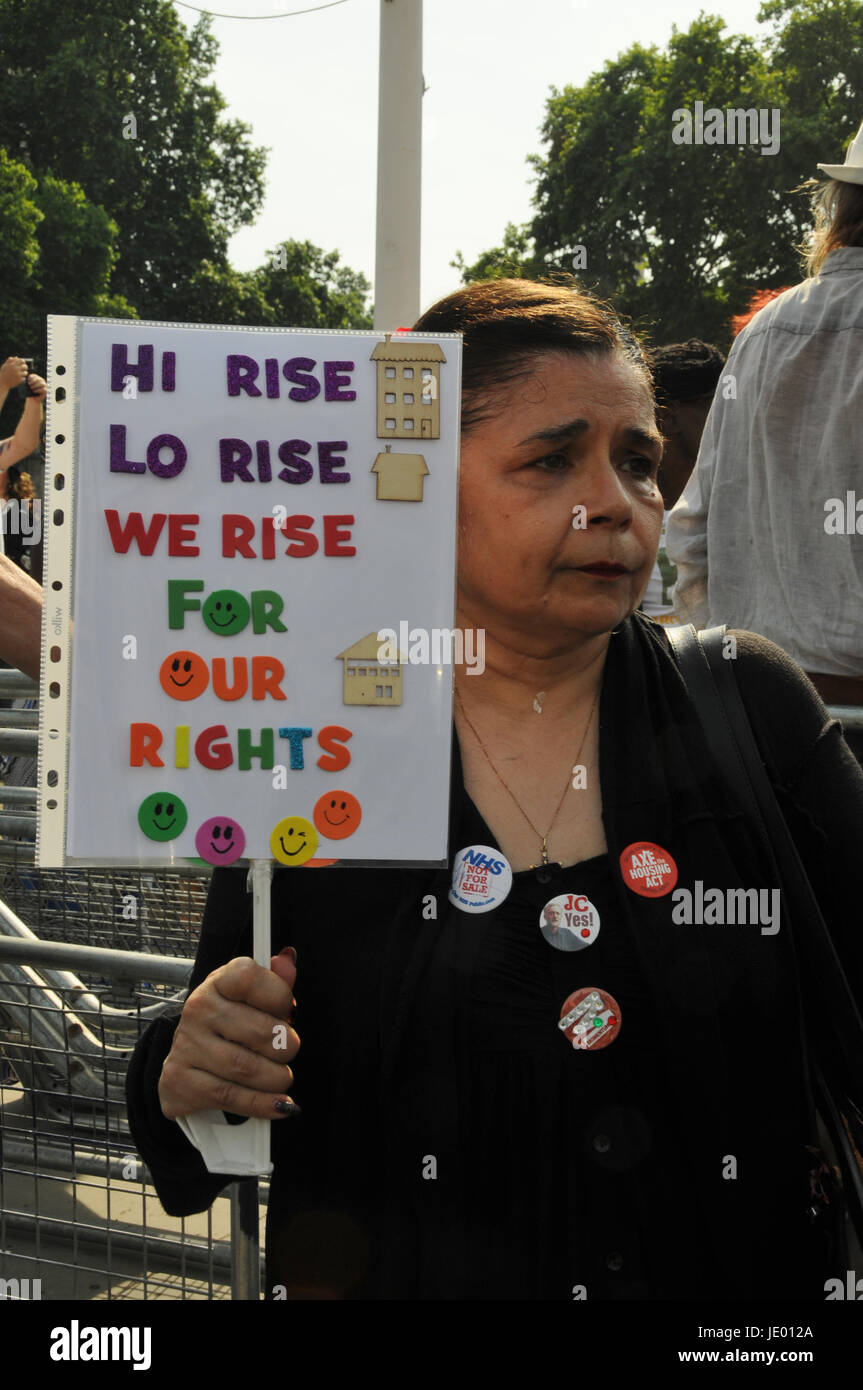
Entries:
{"x":224,"y":1054}
{"x":12,"y":373}
{"x":38,"y":385}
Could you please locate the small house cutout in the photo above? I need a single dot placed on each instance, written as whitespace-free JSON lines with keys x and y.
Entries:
{"x":408,"y":389}
{"x":400,"y":476}
{"x":368,"y":681}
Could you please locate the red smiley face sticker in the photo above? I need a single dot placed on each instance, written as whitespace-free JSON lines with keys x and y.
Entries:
{"x":337,"y":815}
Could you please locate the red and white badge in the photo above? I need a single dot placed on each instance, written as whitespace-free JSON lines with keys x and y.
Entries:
{"x":481,"y":879}
{"x":569,"y":922}
{"x":590,"y":1018}
{"x":648,"y":869}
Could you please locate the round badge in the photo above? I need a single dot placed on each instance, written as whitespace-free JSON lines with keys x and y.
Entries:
{"x":481,"y":879}
{"x":648,"y":869}
{"x":569,"y":922}
{"x":590,"y":1018}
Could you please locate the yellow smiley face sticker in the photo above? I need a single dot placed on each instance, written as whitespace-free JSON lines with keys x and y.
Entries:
{"x":293,"y":841}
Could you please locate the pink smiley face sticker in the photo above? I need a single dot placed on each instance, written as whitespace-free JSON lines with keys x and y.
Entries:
{"x":220,"y":840}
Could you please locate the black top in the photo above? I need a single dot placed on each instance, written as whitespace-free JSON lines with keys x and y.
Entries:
{"x":453,"y":1143}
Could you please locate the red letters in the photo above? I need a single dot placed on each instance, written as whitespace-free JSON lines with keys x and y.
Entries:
{"x":181,"y":537}
{"x":335,"y":756}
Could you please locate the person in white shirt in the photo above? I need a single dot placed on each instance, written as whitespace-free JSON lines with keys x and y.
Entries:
{"x":685,"y":376}
{"x":767,"y":533}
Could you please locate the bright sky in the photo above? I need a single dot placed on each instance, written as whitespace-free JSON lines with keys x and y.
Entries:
{"x":308,"y":88}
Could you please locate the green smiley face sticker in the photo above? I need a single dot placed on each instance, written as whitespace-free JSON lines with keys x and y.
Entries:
{"x":226,"y":612}
{"x":162,"y":816}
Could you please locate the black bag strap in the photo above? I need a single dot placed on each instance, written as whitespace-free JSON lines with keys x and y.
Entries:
{"x":713,"y":685}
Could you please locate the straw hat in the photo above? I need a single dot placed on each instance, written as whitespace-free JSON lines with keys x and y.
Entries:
{"x":852,"y":170}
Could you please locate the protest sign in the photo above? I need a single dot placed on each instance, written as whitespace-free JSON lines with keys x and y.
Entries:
{"x":233,"y":517}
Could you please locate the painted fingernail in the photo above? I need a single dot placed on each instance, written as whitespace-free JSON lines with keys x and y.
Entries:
{"x":289,"y":951}
{"x":287,"y":1107}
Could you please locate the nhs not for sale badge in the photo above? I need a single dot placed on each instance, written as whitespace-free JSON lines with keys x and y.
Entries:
{"x":234,"y":515}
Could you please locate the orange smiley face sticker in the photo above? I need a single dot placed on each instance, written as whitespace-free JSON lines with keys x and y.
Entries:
{"x":184,"y":675}
{"x":337,"y":815}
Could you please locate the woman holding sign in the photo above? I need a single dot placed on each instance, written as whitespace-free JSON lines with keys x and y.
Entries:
{"x":478,"y":1113}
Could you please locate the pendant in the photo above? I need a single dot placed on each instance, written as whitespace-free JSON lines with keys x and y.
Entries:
{"x":544,"y":853}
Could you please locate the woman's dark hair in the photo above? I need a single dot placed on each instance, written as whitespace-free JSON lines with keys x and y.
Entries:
{"x":685,"y":371}
{"x":507,"y":323}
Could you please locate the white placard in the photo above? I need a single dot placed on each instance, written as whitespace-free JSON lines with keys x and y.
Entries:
{"x":281,"y":695}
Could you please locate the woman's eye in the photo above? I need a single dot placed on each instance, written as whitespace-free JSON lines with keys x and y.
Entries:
{"x":641,"y":466}
{"x":552,"y":463}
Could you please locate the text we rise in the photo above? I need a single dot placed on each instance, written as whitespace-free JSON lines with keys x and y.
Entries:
{"x":240,"y":534}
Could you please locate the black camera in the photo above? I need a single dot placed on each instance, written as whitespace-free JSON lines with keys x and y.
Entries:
{"x":23,"y":387}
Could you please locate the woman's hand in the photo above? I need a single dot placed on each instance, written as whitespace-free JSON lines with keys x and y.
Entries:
{"x":234,"y":1041}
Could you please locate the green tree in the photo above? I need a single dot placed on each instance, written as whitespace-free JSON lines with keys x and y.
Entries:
{"x":679,"y":235}
{"x":19,"y":249}
{"x":115,"y":98}
{"x":298,"y":285}
{"x":77,"y":252}
{"x":124,"y":180}
{"x":516,"y":257}
{"x":311,"y":288}
{"x":56,"y":254}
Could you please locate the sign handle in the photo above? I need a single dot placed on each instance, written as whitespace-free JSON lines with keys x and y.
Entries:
{"x":243,"y":1150}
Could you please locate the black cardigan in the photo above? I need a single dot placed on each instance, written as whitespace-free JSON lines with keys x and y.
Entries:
{"x":724,"y":1001}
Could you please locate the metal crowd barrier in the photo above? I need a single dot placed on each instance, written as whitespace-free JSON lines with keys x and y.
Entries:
{"x":76,"y":1204}
{"x":79,"y":1217}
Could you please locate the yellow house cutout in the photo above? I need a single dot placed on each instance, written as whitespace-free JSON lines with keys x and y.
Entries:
{"x":400,"y":476}
{"x":367,"y":681}
{"x":408,"y":389}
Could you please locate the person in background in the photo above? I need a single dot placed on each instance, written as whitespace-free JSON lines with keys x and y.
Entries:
{"x":21,"y":522}
{"x":685,"y":376}
{"x":757,"y":301}
{"x":766,"y":533}
{"x":20,"y":596}
{"x":25,"y":440}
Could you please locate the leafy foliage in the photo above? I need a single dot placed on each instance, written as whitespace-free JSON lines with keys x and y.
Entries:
{"x":678,"y":236}
{"x":122,"y":180}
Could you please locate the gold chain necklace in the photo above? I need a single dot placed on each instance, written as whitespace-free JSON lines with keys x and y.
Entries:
{"x":543,"y":838}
